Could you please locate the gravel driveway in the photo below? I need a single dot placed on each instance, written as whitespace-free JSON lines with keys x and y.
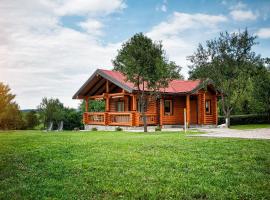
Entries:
{"x":263,"y":133}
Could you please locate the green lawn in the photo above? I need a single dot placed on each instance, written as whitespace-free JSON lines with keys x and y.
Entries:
{"x":250,"y":126}
{"x":118,"y":165}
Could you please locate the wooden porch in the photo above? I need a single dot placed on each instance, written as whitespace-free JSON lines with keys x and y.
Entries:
{"x":131,"y":118}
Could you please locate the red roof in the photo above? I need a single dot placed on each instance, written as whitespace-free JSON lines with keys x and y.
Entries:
{"x":175,"y":86}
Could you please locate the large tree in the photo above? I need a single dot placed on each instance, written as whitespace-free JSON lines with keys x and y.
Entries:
{"x":10,"y":115}
{"x":230,"y":62}
{"x":144,"y":63}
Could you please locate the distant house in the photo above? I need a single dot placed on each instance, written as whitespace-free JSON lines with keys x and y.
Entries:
{"x":122,"y":109}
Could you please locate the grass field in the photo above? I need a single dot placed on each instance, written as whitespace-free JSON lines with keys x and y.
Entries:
{"x":250,"y":126}
{"x":118,"y":165}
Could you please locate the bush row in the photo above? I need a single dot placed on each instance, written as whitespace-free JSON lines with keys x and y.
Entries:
{"x":246,"y":119}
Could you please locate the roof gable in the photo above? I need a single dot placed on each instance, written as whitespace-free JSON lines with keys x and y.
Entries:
{"x":174,"y":87}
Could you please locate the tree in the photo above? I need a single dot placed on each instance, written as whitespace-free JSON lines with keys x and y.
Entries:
{"x":51,"y":111}
{"x":72,"y":119}
{"x":31,"y":119}
{"x":230,"y":62}
{"x":144,"y":63}
{"x":10,"y":115}
{"x":261,"y":92}
{"x":94,"y":106}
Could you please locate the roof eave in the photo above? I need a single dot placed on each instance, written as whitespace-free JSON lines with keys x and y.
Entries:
{"x":104,"y":75}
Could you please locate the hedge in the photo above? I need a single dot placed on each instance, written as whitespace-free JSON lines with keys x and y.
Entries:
{"x":246,"y":119}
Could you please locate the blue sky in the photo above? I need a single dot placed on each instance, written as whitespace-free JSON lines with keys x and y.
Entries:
{"x":49,"y":48}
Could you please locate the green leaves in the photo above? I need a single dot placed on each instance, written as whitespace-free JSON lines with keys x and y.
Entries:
{"x":10,"y":116}
{"x":230,"y":62}
{"x":144,"y":63}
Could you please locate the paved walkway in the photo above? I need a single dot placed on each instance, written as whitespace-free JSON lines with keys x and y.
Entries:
{"x":262,"y":133}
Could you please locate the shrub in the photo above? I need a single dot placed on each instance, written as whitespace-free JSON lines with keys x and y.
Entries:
{"x":94,"y":129}
{"x":158,"y":128}
{"x":118,"y":128}
{"x":246,"y":119}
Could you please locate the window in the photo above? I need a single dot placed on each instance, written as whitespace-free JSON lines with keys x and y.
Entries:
{"x":208,"y":106}
{"x":168,"y":107}
{"x":120,"y":106}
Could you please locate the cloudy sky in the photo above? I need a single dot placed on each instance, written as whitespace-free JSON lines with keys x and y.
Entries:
{"x":50,"y":47}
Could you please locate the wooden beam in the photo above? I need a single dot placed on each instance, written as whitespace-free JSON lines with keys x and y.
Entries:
{"x":161,"y":110}
{"x":117,"y":94}
{"x":107,"y":86}
{"x":95,"y":81}
{"x":97,"y":97}
{"x":97,"y":86}
{"x":203,"y":108}
{"x":134,"y":102}
{"x":188,"y":108}
{"x":86,"y":104}
{"x":199,"y":106}
{"x":107,"y":107}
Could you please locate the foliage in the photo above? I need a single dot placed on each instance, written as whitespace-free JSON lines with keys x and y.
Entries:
{"x":117,"y":165}
{"x":94,"y":129}
{"x":144,"y":63}
{"x":10,"y":115}
{"x":72,"y":119}
{"x":31,"y":119}
{"x":246,"y":119}
{"x":51,"y":110}
{"x":93,"y":106}
{"x":230,"y":62}
{"x":261,"y":91}
{"x":158,"y":128}
{"x":118,"y":128}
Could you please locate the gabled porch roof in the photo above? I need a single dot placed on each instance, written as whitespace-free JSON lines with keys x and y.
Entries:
{"x":118,"y":79}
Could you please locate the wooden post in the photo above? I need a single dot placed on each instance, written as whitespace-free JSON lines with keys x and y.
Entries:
{"x":107,"y":107}
{"x":185,"y":119}
{"x":203,"y":108}
{"x":188,"y":109}
{"x":86,"y":104}
{"x":107,"y":86}
{"x":199,"y":105}
{"x":161,"y":110}
{"x":215,"y":110}
{"x":134,"y":102}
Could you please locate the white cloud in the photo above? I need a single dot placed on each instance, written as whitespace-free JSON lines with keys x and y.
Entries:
{"x":92,"y":26}
{"x":238,"y":6}
{"x":243,"y":15}
{"x":180,"y":22}
{"x":264,"y":33}
{"x":182,"y":32}
{"x":89,"y":7}
{"x":164,"y":8}
{"x":40,"y":57}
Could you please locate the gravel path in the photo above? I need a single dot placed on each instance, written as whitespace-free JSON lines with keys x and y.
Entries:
{"x":263,"y":133}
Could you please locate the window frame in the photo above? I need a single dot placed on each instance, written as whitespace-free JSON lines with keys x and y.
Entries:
{"x":171,"y":107}
{"x":209,"y":102}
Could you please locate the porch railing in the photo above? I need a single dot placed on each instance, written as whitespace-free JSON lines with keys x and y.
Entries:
{"x":118,"y":118}
{"x":94,"y":118}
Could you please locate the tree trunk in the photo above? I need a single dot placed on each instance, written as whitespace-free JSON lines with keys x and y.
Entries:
{"x":142,"y":102}
{"x":228,"y":118}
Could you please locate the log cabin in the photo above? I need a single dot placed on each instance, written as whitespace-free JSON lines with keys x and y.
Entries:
{"x":198,"y":98}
